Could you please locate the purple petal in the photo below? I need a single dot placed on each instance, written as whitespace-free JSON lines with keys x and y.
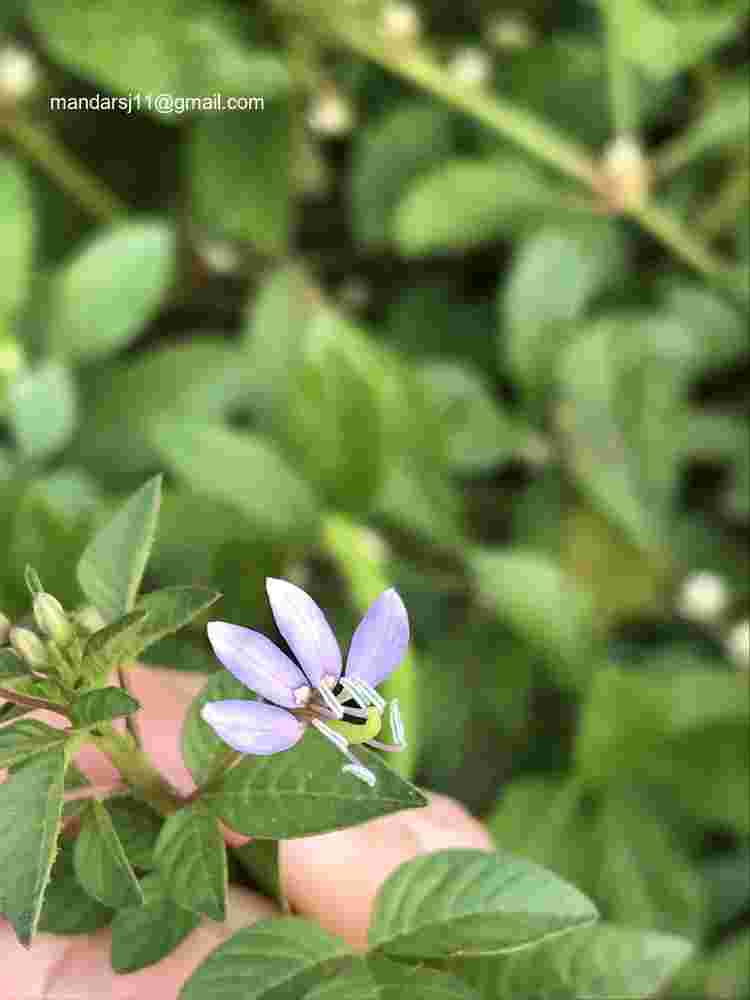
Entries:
{"x":380,"y":641}
{"x":305,"y":628}
{"x":253,"y":727}
{"x":257,"y":662}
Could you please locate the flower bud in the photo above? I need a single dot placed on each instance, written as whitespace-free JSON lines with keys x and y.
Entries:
{"x":738,"y":644}
{"x":29,"y":647}
{"x":510,"y":32}
{"x":51,"y":618}
{"x":5,"y":627}
{"x":330,"y":114}
{"x":626,"y":173}
{"x":703,"y":598}
{"x":18,"y":75}
{"x":471,"y":67}
{"x":401,"y":23}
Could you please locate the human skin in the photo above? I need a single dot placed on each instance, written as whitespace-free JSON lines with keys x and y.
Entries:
{"x":331,"y":878}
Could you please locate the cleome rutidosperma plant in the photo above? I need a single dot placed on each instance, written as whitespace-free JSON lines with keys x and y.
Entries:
{"x":449,"y":924}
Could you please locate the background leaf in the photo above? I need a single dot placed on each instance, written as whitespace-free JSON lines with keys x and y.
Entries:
{"x":465,"y":902}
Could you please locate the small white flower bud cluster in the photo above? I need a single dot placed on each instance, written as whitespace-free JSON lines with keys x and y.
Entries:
{"x":626,"y":174}
{"x":330,"y":114}
{"x":470,"y":67}
{"x":401,"y":23}
{"x":51,"y":618}
{"x":220,"y":257}
{"x":29,"y":647}
{"x":703,"y":598}
{"x":18,"y":74}
{"x":5,"y":627}
{"x":511,"y":31}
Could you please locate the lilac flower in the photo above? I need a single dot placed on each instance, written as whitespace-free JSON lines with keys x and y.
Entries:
{"x":342,"y":705}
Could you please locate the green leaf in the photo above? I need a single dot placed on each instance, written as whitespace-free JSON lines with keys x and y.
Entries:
{"x":200,"y":379}
{"x":419,"y":498}
{"x":112,"y":645}
{"x":156,"y":615}
{"x":192,"y":860}
{"x":388,"y":156}
{"x":466,"y":202}
{"x":26,"y":738}
{"x":274,"y":338}
{"x":143,"y":935}
{"x":184,"y":48}
{"x":30,"y":808}
{"x":260,"y":859}
{"x":532,"y":594}
{"x":102,"y":705}
{"x":245,"y":471}
{"x":662,"y":46}
{"x":723,"y":122}
{"x":303,"y":791}
{"x":334,"y":423}
{"x":11,"y":665}
{"x":68,"y":908}
{"x":645,"y":880}
{"x":621,"y":418}
{"x":111,"y":568}
{"x":480,"y":433}
{"x":471,"y":903}
{"x":137,"y":827}
{"x":100,"y":861}
{"x":603,"y":961}
{"x":277,"y":959}
{"x":110,"y":290}
{"x":43,"y":410}
{"x":555,"y":275}
{"x":200,"y":744}
{"x":16,"y":235}
{"x":720,"y":974}
{"x":545,"y":820}
{"x":628,"y":715}
{"x":170,"y":609}
{"x":236,"y":191}
{"x":380,"y":979}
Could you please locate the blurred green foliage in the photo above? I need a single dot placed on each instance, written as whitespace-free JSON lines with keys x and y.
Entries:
{"x":532,"y":414}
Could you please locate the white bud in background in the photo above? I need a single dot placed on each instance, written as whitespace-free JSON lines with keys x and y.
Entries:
{"x":536,"y":451}
{"x":738,"y":644}
{"x":704,"y":598}
{"x":220,"y":257}
{"x":18,"y":74}
{"x":330,"y":114}
{"x":51,"y":618}
{"x":11,"y":357}
{"x":511,"y":31}
{"x":375,"y":547}
{"x":29,"y":647}
{"x":5,"y":627}
{"x":470,"y":67}
{"x":401,"y":23}
{"x":626,"y":174}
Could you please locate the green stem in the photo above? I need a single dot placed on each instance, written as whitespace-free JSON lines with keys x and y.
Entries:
{"x":131,"y":722}
{"x":670,"y":231}
{"x":137,"y":770}
{"x":216,"y":773}
{"x":532,"y":135}
{"x":723,"y":211}
{"x":40,"y":146}
{"x":622,"y":81}
{"x":28,"y":701}
{"x":519,"y":126}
